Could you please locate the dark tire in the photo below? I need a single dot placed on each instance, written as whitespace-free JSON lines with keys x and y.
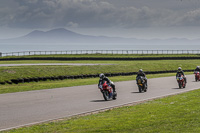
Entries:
{"x":180,"y":85}
{"x":114,"y":95}
{"x":140,"y":88}
{"x":145,"y":88}
{"x":196,"y":79}
{"x":184,"y":85}
{"x":106,"y":95}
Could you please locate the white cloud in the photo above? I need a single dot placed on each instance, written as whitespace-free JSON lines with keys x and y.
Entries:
{"x":72,"y":25}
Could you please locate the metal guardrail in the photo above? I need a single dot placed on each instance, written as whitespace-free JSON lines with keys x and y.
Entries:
{"x":74,"y":52}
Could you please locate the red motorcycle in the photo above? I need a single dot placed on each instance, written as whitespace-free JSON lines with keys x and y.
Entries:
{"x":197,"y":76}
{"x":181,"y":81}
{"x":107,"y":91}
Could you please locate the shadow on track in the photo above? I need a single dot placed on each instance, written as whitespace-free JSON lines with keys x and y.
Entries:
{"x":177,"y":88}
{"x":135,"y":92}
{"x":98,"y":101}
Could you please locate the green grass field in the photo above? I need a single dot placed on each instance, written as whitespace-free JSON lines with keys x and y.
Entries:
{"x":17,"y":72}
{"x":173,"y":114}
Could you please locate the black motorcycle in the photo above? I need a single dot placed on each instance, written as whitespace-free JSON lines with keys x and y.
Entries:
{"x":141,"y":82}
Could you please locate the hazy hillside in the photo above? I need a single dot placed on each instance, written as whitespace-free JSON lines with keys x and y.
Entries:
{"x":62,"y":35}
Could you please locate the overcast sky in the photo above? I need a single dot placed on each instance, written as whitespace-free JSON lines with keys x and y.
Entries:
{"x":125,"y":18}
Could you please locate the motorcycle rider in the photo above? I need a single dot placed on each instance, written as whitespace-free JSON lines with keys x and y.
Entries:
{"x":180,"y":71}
{"x":197,"y":69}
{"x":141,"y":73}
{"x":104,"y":78}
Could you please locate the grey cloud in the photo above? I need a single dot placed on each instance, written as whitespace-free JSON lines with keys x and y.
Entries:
{"x":92,"y":13}
{"x":189,"y":18}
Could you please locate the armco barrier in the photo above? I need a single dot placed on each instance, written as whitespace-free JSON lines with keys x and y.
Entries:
{"x":100,"y":58}
{"x":37,"y":79}
{"x":81,"y":52}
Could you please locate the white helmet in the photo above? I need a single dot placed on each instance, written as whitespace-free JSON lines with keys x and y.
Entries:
{"x":179,"y":68}
{"x":140,"y":70}
{"x":101,"y":75}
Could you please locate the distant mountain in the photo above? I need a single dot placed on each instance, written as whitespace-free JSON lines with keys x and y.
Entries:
{"x":62,"y":35}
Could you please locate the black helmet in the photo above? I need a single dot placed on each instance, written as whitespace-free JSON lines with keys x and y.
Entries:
{"x":179,"y":69}
{"x":101,"y":75}
{"x":197,"y":67}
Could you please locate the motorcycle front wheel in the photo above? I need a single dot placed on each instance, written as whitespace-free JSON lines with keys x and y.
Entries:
{"x":106,"y":95}
{"x":180,"y":85}
{"x":140,"y":88}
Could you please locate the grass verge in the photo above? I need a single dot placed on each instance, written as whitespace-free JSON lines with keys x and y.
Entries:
{"x":178,"y":113}
{"x":19,"y":72}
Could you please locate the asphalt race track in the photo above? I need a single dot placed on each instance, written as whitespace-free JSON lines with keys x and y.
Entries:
{"x":26,"y":108}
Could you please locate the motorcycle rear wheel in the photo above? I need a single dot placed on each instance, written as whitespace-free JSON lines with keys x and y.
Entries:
{"x":184,"y":84}
{"x":114,"y":95}
{"x":145,"y":88}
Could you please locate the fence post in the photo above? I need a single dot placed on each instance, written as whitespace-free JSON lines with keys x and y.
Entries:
{"x":0,"y":54}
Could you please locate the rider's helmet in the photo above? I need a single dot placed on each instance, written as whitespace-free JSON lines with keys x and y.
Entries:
{"x":101,"y":76}
{"x":140,"y":71}
{"x":197,"y":67}
{"x":179,"y":69}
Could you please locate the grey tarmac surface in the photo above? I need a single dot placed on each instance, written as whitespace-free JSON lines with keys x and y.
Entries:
{"x":26,"y":108}
{"x":50,"y":64}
